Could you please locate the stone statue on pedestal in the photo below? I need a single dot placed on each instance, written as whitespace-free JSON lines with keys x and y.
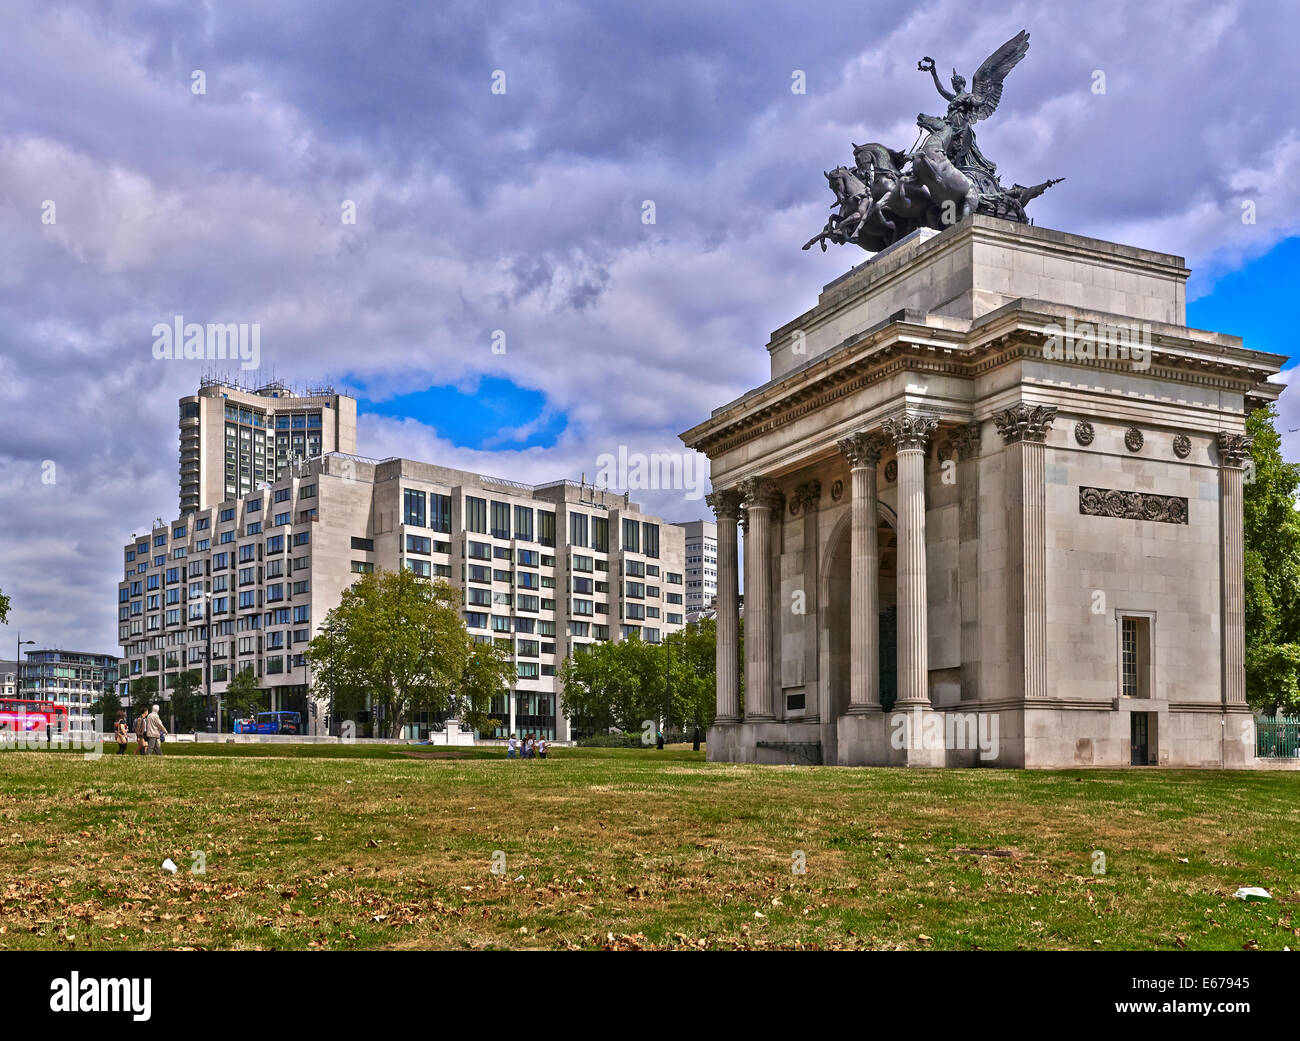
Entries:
{"x":879,"y":199}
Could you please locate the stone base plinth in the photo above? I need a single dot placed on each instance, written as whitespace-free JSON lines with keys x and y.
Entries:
{"x":1042,"y":737}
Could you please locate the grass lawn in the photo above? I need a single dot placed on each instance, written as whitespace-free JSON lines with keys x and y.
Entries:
{"x":374,"y":846}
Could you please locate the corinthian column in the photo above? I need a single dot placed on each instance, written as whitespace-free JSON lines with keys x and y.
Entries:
{"x":863,"y":453}
{"x":761,"y":497}
{"x":910,"y":431}
{"x":1234,"y":450}
{"x":726,"y":505}
{"x":1024,"y":428}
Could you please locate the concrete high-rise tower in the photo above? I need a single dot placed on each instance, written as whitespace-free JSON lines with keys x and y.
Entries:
{"x":235,"y":439}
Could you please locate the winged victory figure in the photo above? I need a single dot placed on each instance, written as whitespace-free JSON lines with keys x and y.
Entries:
{"x":965,"y":108}
{"x":886,"y":194}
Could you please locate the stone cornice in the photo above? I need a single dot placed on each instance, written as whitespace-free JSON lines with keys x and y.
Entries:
{"x":1007,"y":336}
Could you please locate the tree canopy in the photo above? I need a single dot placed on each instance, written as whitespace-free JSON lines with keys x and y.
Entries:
{"x":399,"y":641}
{"x":1272,"y":566}
{"x":622,"y":685}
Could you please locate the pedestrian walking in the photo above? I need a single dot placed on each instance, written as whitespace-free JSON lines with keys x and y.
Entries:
{"x":541,"y":748}
{"x":154,"y":731}
{"x":512,"y":747}
{"x":119,"y":732}
{"x":142,"y":741}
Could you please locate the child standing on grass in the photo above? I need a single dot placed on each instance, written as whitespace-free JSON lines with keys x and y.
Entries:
{"x":512,"y":747}
{"x":541,"y":748}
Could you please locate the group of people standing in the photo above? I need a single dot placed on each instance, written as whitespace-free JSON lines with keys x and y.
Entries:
{"x":149,"y":733}
{"x":531,"y":747}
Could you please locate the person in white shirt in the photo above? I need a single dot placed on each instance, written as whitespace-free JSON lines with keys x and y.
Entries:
{"x":512,"y":747}
{"x":541,"y":748}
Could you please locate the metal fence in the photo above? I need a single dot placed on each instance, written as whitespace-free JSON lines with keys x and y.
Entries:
{"x":1278,"y":738}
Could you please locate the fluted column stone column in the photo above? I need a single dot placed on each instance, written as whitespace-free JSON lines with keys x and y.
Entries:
{"x":1024,"y":428}
{"x":863,"y":453}
{"x":726,"y":506}
{"x":761,"y":498}
{"x":911,"y":431}
{"x":1234,"y":450}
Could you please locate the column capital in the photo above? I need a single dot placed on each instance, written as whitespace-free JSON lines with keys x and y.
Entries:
{"x":725,"y":502}
{"x":1024,"y":422}
{"x":962,"y":442}
{"x":911,"y":428}
{"x":760,"y":493}
{"x":861,"y":449}
{"x":807,"y":496}
{"x":1234,"y":449}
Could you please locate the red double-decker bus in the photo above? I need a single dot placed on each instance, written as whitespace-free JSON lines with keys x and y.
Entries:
{"x":18,"y":716}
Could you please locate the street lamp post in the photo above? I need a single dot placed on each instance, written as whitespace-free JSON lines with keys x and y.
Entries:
{"x":18,"y":677}
{"x":207,"y":662}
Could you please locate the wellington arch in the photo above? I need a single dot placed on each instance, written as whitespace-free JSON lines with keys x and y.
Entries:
{"x":968,"y":545}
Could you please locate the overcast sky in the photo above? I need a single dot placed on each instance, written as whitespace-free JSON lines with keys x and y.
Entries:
{"x":522,"y":212}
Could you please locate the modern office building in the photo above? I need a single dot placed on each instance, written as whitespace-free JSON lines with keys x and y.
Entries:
{"x":72,"y":678}
{"x":701,"y":563}
{"x":234,"y":439}
{"x":543,"y":570}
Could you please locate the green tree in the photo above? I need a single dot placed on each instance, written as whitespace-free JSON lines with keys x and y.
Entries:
{"x":618,"y":685}
{"x":488,"y":674}
{"x":106,"y":707}
{"x":693,"y":654}
{"x":4,"y":609}
{"x":142,"y":692}
{"x":244,"y":697}
{"x":1272,"y":566}
{"x":399,"y":642}
{"x":187,"y":704}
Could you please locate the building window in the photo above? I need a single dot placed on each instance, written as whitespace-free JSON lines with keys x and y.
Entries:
{"x":476,"y":515}
{"x":500,"y":520}
{"x":1135,"y":655}
{"x":413,"y":508}
{"x":440,"y":512}
{"x":578,"y":529}
{"x":524,"y":523}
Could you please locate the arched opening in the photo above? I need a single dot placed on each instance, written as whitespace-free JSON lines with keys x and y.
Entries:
{"x":838,"y":599}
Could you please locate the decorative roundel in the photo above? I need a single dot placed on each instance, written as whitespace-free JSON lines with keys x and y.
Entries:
{"x":1182,"y":446}
{"x":1083,"y":432}
{"x":837,"y":490}
{"x":1133,"y":439}
{"x":891,"y":471}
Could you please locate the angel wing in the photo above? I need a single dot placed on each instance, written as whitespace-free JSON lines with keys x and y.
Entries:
{"x":986,"y":88}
